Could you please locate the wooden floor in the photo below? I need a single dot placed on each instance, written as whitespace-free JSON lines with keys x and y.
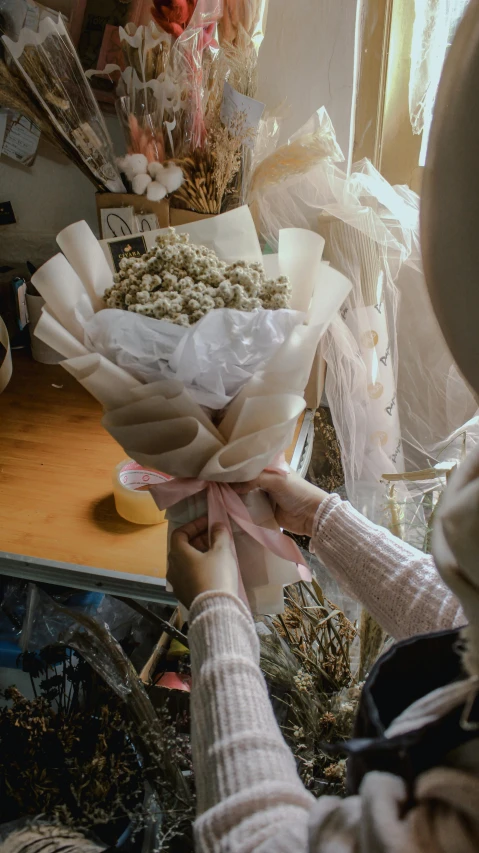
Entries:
{"x":56,"y":465}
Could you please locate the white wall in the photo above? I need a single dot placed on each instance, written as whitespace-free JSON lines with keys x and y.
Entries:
{"x":307,"y":58}
{"x":45,"y":197}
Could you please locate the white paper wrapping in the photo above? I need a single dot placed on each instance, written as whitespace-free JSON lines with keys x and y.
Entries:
{"x":51,"y":332}
{"x":83,"y":251}
{"x":239,"y":342}
{"x":105,"y":381}
{"x":64,"y":293}
{"x":262,"y":360}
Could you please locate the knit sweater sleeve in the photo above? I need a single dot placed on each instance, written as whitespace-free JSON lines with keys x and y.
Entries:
{"x":250,"y":797}
{"x":397,"y":584}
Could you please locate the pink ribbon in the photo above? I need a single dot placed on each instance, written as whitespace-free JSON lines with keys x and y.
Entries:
{"x":224,"y":506}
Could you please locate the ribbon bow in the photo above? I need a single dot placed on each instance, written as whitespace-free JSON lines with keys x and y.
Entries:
{"x":224,"y":506}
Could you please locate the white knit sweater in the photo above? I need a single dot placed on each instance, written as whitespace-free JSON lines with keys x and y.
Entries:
{"x":250,"y":797}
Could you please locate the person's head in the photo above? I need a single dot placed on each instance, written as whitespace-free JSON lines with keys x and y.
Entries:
{"x":450,"y":246}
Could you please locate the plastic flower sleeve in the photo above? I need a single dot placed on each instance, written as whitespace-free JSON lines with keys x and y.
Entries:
{"x":289,"y":186}
{"x":50,"y":66}
{"x":146,"y":52}
{"x":394,"y":391}
{"x":191,"y":59}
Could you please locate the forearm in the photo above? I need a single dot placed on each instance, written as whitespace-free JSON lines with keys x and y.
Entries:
{"x":249,"y":792}
{"x":397,"y":584}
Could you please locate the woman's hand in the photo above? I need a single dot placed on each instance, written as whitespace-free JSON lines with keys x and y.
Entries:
{"x":296,"y":500}
{"x":194,"y":567}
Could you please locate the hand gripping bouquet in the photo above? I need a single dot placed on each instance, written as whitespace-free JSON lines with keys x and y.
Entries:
{"x":208,"y":401}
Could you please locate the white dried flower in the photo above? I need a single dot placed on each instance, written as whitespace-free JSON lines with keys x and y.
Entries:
{"x":180,"y":282}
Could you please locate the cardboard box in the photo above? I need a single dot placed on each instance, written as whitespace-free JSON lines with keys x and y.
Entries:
{"x":315,"y":387}
{"x":182,"y":217}
{"x":139,"y":202}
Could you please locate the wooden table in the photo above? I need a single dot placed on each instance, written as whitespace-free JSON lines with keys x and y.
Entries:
{"x":57,"y":514}
{"x":58,"y":521}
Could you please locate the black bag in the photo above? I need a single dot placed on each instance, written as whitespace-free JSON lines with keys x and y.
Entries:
{"x":407,"y":672}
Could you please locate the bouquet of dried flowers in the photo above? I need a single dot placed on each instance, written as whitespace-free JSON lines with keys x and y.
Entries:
{"x":170,"y":101}
{"x":231,"y":346}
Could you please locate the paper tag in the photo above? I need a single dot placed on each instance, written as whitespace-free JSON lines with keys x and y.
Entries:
{"x":32,"y":18}
{"x":135,"y":477}
{"x":233,"y":103}
{"x":21,"y":139}
{"x":147,"y":222}
{"x":135,"y":247}
{"x":117,"y":222}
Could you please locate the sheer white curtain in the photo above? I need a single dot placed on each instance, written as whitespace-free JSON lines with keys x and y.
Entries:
{"x":434,"y":26}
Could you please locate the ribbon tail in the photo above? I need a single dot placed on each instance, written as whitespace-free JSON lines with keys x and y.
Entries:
{"x":218,"y":514}
{"x":275,"y":541}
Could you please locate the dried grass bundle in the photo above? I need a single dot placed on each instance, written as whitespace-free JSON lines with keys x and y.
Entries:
{"x":242,"y":70}
{"x":306,"y":661}
{"x":296,"y":158}
{"x":208,"y":173}
{"x":326,"y":470}
{"x":47,"y":755}
{"x":148,"y":61}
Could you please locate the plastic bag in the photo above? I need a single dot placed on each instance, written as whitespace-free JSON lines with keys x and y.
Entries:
{"x":142,"y":109}
{"x":49,"y":623}
{"x":243,"y":20}
{"x":396,"y":397}
{"x":285,"y":189}
{"x":241,"y":32}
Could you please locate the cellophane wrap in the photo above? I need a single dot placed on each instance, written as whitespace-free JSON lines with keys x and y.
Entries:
{"x":49,"y":64}
{"x":398,"y":402}
{"x":215,"y":403}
